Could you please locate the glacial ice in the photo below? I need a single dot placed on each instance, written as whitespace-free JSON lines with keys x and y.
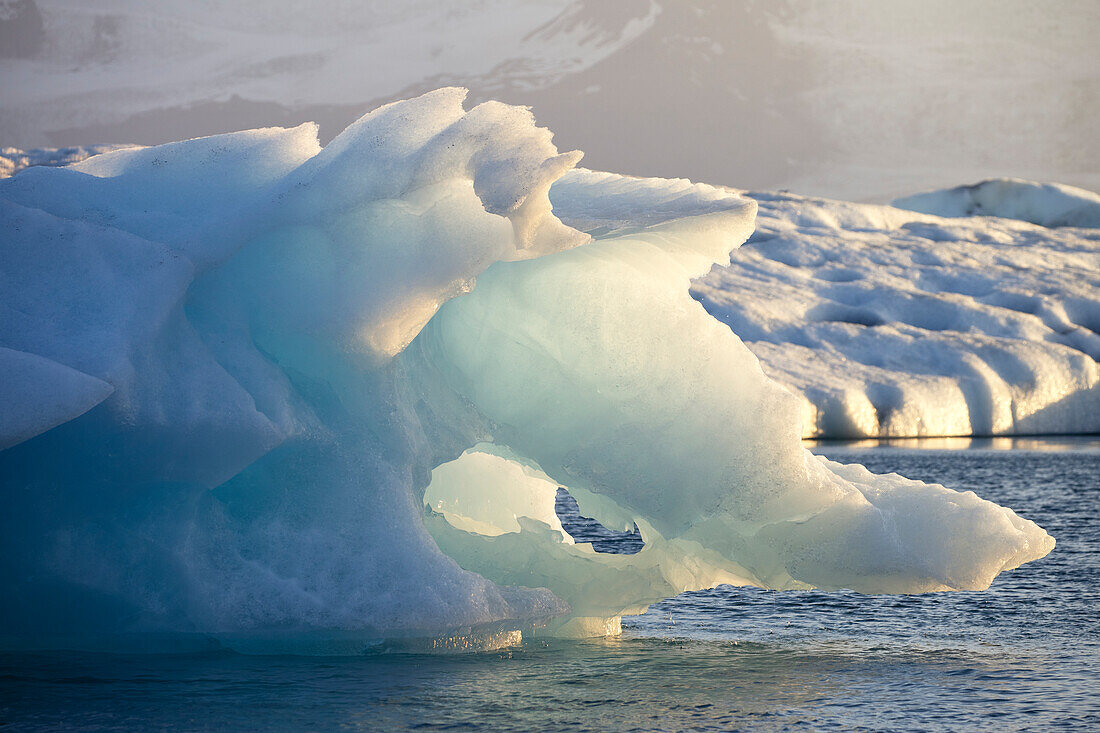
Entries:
{"x":1046,"y":204}
{"x":13,"y":160}
{"x":889,"y":323}
{"x":281,"y":394}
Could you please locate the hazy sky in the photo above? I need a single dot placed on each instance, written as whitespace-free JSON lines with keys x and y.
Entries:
{"x":862,"y":99}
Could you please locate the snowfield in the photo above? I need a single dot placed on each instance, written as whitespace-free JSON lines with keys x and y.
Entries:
{"x":848,"y":99}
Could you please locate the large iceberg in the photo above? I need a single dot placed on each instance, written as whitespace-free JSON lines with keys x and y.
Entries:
{"x":281,"y":394}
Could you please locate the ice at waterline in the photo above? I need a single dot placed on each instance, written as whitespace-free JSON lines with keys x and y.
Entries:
{"x":238,"y":368}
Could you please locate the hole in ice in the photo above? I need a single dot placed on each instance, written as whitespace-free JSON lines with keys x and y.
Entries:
{"x":586,"y":529}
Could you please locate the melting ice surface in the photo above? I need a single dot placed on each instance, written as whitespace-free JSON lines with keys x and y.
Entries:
{"x":309,"y":398}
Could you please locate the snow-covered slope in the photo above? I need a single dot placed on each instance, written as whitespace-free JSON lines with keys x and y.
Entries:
{"x":238,"y":367}
{"x":893,"y":323}
{"x":103,"y":62}
{"x":849,"y":99}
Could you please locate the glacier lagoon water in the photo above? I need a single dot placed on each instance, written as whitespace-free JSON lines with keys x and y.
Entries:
{"x":1023,"y":655}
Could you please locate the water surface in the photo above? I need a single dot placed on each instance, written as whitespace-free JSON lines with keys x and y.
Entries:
{"x":1023,"y":655}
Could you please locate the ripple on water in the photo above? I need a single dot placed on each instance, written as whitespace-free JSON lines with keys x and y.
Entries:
{"x":1022,"y":655}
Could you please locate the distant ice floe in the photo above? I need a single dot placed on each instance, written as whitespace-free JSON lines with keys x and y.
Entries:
{"x":13,"y":160}
{"x":1046,"y":204}
{"x":306,"y":399}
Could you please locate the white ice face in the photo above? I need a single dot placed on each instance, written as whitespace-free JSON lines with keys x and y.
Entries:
{"x":261,"y":359}
{"x":890,"y":323}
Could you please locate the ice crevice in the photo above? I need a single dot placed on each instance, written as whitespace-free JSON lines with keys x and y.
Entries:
{"x":313,"y":398}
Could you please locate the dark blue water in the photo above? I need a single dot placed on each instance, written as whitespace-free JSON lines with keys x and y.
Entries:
{"x":1023,"y":656}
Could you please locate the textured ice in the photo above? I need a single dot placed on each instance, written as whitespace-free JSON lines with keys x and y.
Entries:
{"x":1046,"y":204}
{"x":277,"y":393}
{"x":891,"y":323}
{"x":13,"y":160}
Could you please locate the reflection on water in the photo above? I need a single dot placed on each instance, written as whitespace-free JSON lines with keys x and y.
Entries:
{"x":1076,"y":443}
{"x":606,"y":685}
{"x":1024,"y":654}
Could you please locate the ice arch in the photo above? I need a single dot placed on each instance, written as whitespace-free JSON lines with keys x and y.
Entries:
{"x":249,"y":354}
{"x":595,"y":364}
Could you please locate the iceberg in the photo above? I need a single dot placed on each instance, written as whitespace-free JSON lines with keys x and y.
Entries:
{"x":890,"y":323}
{"x":1045,"y":204}
{"x":13,"y":160}
{"x":306,"y":398}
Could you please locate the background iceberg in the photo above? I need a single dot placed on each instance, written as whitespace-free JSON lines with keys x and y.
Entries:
{"x":13,"y":160}
{"x":1046,"y":204}
{"x":890,"y":323}
{"x":251,"y":360}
